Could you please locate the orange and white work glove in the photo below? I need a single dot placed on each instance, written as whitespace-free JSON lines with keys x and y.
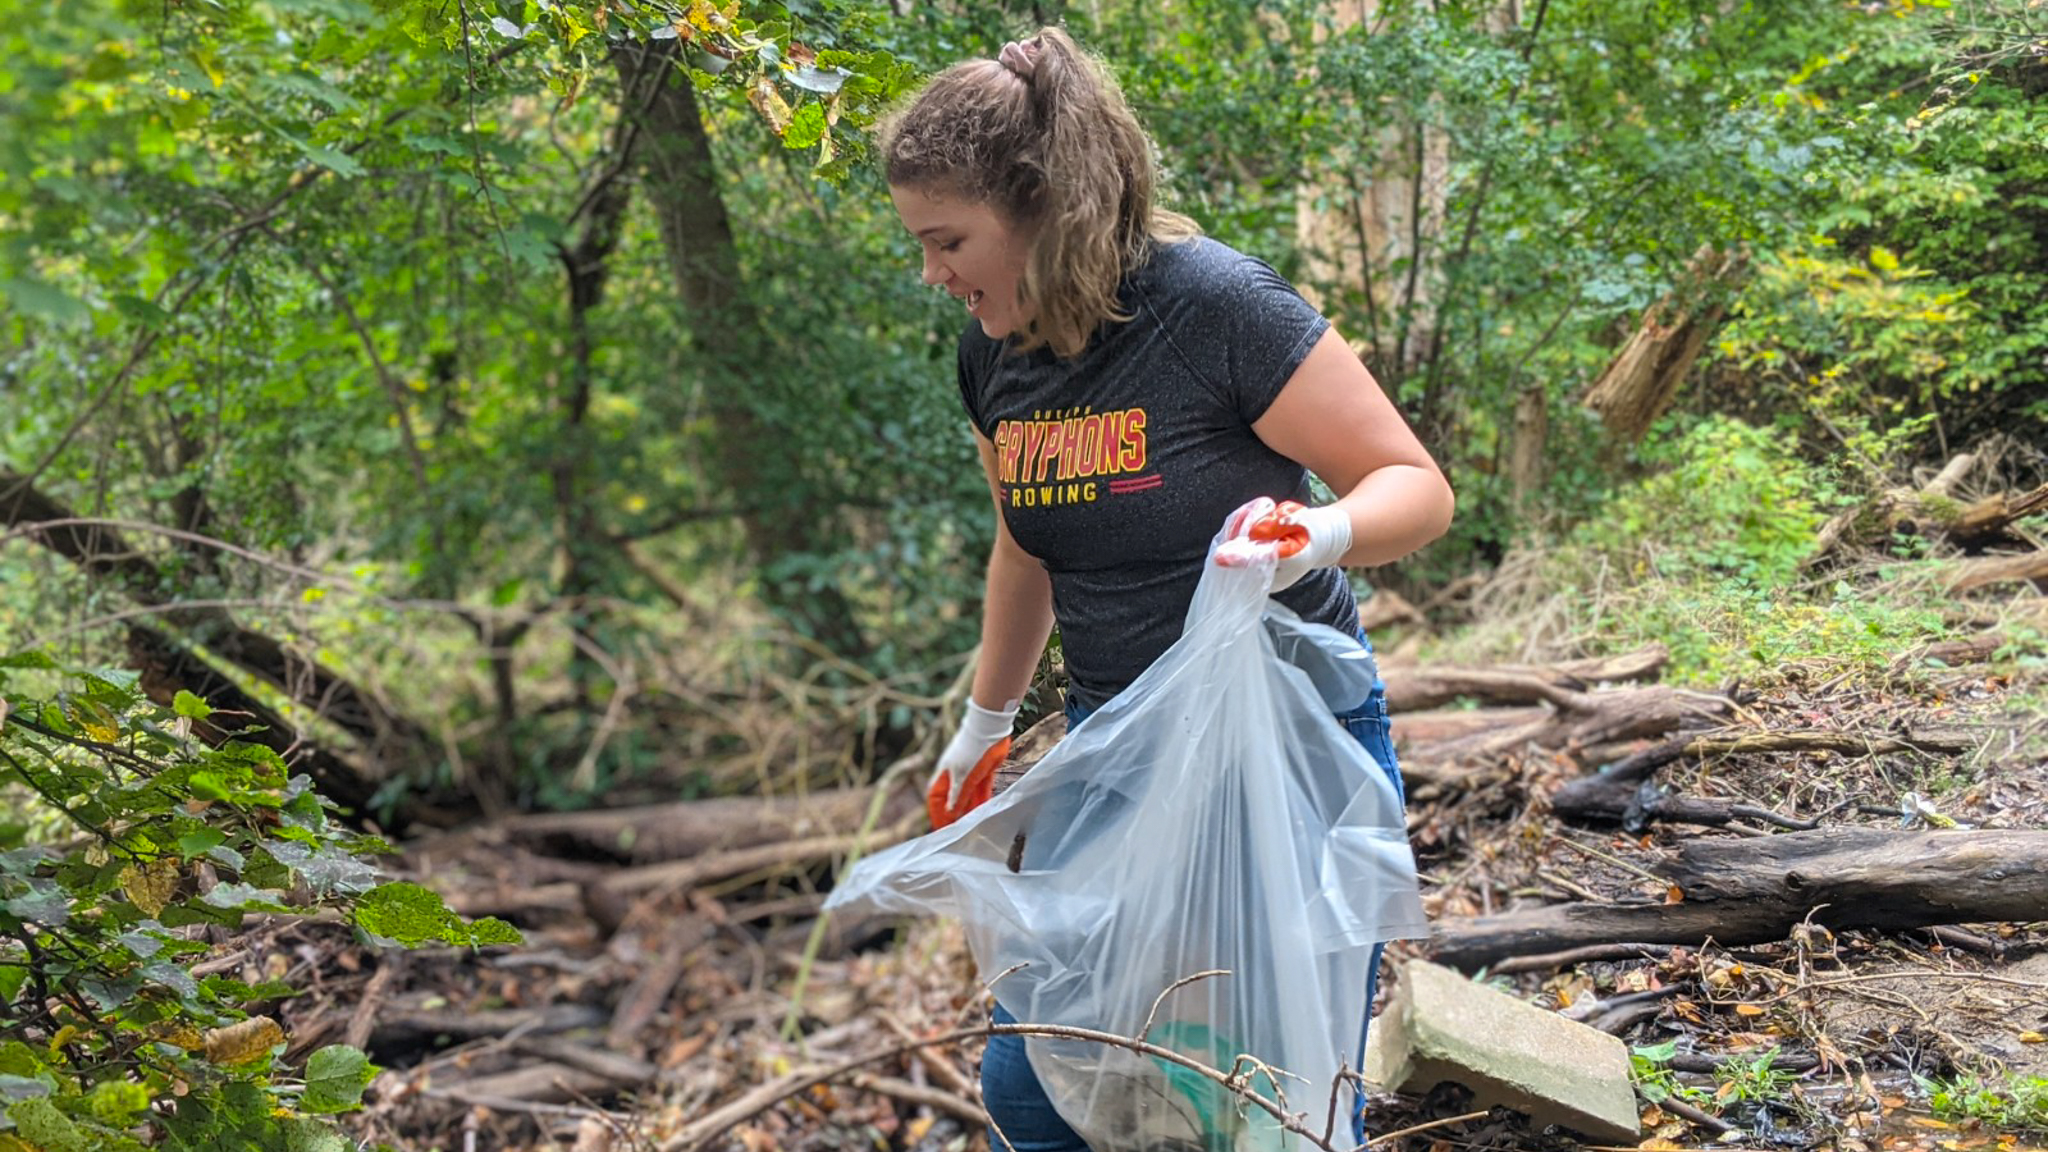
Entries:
{"x":966,"y":774}
{"x":1306,"y":538}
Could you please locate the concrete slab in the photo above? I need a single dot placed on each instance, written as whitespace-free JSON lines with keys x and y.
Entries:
{"x":1441,"y":1026}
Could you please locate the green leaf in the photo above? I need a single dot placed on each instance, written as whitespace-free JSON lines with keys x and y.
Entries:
{"x":304,"y":1135}
{"x":39,"y":299}
{"x":44,"y":902}
{"x":202,"y":841}
{"x":339,"y":163}
{"x":41,"y":1124}
{"x":12,"y":977}
{"x":806,"y":127}
{"x":335,"y":1078}
{"x":412,"y":916}
{"x":117,"y":1102}
{"x":208,"y":785}
{"x":186,"y":704}
{"x":244,"y":896}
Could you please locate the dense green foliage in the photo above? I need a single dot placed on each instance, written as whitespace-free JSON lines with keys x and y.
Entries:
{"x":422,"y":294}
{"x":112,"y":1035}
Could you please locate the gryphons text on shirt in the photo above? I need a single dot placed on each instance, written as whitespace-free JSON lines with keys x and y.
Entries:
{"x":1072,"y":457}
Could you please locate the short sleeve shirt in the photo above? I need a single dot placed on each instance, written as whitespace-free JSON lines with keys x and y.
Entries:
{"x":1115,"y":469}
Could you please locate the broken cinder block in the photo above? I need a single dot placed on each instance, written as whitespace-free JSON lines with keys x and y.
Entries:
{"x":1441,"y":1026}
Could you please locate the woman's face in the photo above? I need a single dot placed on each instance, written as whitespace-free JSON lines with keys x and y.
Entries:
{"x":970,"y":252}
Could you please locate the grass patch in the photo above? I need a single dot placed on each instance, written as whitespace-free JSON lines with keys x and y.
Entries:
{"x":2021,"y":1102}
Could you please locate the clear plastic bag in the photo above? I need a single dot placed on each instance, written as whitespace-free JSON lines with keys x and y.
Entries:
{"x":1214,"y":815}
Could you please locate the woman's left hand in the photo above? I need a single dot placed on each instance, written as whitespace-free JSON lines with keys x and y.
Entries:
{"x":1305,"y":538}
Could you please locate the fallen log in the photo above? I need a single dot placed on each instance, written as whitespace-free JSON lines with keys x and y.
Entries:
{"x":692,"y":828}
{"x":1590,"y":719}
{"x":406,"y":1030}
{"x":1414,"y":730}
{"x":1983,"y":572}
{"x":1385,"y":608}
{"x":1448,"y":743}
{"x":1618,"y":791}
{"x":676,"y":875}
{"x":1752,"y":891}
{"x":547,"y":1083}
{"x":1412,"y":689}
{"x":1932,"y":512}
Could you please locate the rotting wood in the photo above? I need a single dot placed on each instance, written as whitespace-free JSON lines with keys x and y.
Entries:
{"x":1596,"y":718}
{"x":1449,"y":743}
{"x":1755,"y":890}
{"x":364,"y":1017}
{"x":1642,"y":379}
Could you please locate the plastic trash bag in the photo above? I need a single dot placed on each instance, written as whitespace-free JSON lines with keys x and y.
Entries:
{"x":1214,"y":815}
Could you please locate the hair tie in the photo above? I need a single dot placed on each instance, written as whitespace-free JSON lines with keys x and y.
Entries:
{"x":1020,"y":58}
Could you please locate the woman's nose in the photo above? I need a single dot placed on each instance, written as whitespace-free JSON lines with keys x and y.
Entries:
{"x":934,"y":272}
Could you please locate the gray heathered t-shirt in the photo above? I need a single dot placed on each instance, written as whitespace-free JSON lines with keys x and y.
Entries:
{"x":1117,"y":468}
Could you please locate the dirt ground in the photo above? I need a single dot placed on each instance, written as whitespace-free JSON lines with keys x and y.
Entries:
{"x":670,"y":1026}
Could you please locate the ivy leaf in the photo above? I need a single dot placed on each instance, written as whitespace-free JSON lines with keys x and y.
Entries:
{"x":13,"y":1088}
{"x":110,"y":993}
{"x":173,"y":977}
{"x":335,"y":1078}
{"x":207,"y":785}
{"x":117,"y":1102}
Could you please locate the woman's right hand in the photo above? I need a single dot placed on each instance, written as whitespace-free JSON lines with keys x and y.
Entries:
{"x":980,"y":730}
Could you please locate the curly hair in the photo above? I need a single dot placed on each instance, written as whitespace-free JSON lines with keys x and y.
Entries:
{"x":1056,"y":151}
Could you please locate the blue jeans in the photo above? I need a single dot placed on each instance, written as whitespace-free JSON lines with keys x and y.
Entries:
{"x":1010,"y":1090}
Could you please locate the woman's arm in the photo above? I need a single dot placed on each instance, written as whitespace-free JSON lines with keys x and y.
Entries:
{"x":1016,"y":614}
{"x":1334,"y":419}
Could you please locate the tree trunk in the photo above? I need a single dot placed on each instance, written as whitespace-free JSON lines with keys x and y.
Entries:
{"x":675,"y":162}
{"x":1372,"y":208}
{"x":1751,"y":890}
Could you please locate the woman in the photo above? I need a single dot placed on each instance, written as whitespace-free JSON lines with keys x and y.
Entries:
{"x":1130,"y":384}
